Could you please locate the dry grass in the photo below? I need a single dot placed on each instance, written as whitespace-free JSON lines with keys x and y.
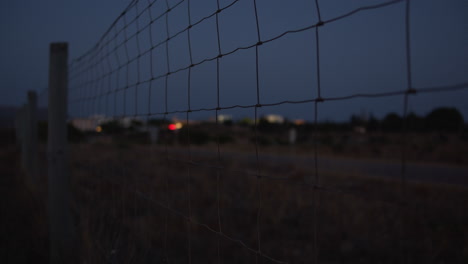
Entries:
{"x":122,"y":195}
{"x":23,"y":217}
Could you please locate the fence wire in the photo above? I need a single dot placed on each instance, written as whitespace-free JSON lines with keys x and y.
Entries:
{"x":133,"y":63}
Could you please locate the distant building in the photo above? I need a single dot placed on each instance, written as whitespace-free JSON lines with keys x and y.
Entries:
{"x":127,"y":121}
{"x":85,"y":124}
{"x":89,"y":124}
{"x":221,"y":119}
{"x":224,"y":118}
{"x":299,"y":122}
{"x":274,"y":119}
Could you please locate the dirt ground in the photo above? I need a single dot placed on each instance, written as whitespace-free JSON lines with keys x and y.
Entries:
{"x":23,"y":224}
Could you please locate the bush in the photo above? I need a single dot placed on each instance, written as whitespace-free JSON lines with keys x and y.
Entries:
{"x":112,"y":127}
{"x":445,"y":119}
{"x":392,"y":123}
{"x":135,"y":125}
{"x":158,"y":122}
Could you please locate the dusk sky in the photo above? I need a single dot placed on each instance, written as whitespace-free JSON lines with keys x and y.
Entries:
{"x":363,"y":53}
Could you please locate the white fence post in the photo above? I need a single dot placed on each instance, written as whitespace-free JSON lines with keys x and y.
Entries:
{"x":61,"y":228}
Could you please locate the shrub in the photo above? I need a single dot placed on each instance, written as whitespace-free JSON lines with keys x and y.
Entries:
{"x":445,"y":119}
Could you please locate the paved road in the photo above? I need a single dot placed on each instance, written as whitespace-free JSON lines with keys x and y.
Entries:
{"x":440,"y":173}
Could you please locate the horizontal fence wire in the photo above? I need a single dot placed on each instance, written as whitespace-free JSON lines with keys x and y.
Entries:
{"x":88,"y":63}
{"x":109,"y":80}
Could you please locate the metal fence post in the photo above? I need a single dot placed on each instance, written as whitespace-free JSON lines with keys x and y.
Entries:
{"x":61,"y":228}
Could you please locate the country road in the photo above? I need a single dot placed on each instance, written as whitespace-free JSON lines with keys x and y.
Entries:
{"x":436,"y":173}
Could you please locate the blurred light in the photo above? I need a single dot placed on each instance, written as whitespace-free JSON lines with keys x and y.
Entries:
{"x":175,"y":126}
{"x":99,"y":129}
{"x":299,"y":122}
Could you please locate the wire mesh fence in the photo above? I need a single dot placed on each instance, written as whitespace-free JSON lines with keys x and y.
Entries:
{"x":171,"y":63}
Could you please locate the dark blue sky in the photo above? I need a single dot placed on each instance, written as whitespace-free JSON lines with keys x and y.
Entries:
{"x":363,"y":53}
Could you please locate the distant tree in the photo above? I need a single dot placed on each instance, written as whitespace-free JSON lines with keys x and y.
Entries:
{"x":157,"y":122}
{"x":373,"y":123}
{"x":415,"y":122}
{"x":246,"y":121}
{"x":135,"y":125}
{"x":356,"y":121}
{"x":444,"y":119}
{"x":263,"y":121}
{"x":265,"y":126}
{"x":228,"y":122}
{"x":112,"y":127}
{"x":392,"y":122}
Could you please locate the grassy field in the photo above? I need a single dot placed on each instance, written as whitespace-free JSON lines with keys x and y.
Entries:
{"x":23,"y":218}
{"x":141,"y":204}
{"x":136,"y":203}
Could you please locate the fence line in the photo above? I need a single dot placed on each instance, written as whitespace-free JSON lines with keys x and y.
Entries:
{"x":98,"y":77}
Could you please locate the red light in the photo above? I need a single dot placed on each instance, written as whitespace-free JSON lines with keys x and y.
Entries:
{"x":172,"y":127}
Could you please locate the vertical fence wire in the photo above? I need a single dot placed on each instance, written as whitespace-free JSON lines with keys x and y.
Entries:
{"x":102,"y":80}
